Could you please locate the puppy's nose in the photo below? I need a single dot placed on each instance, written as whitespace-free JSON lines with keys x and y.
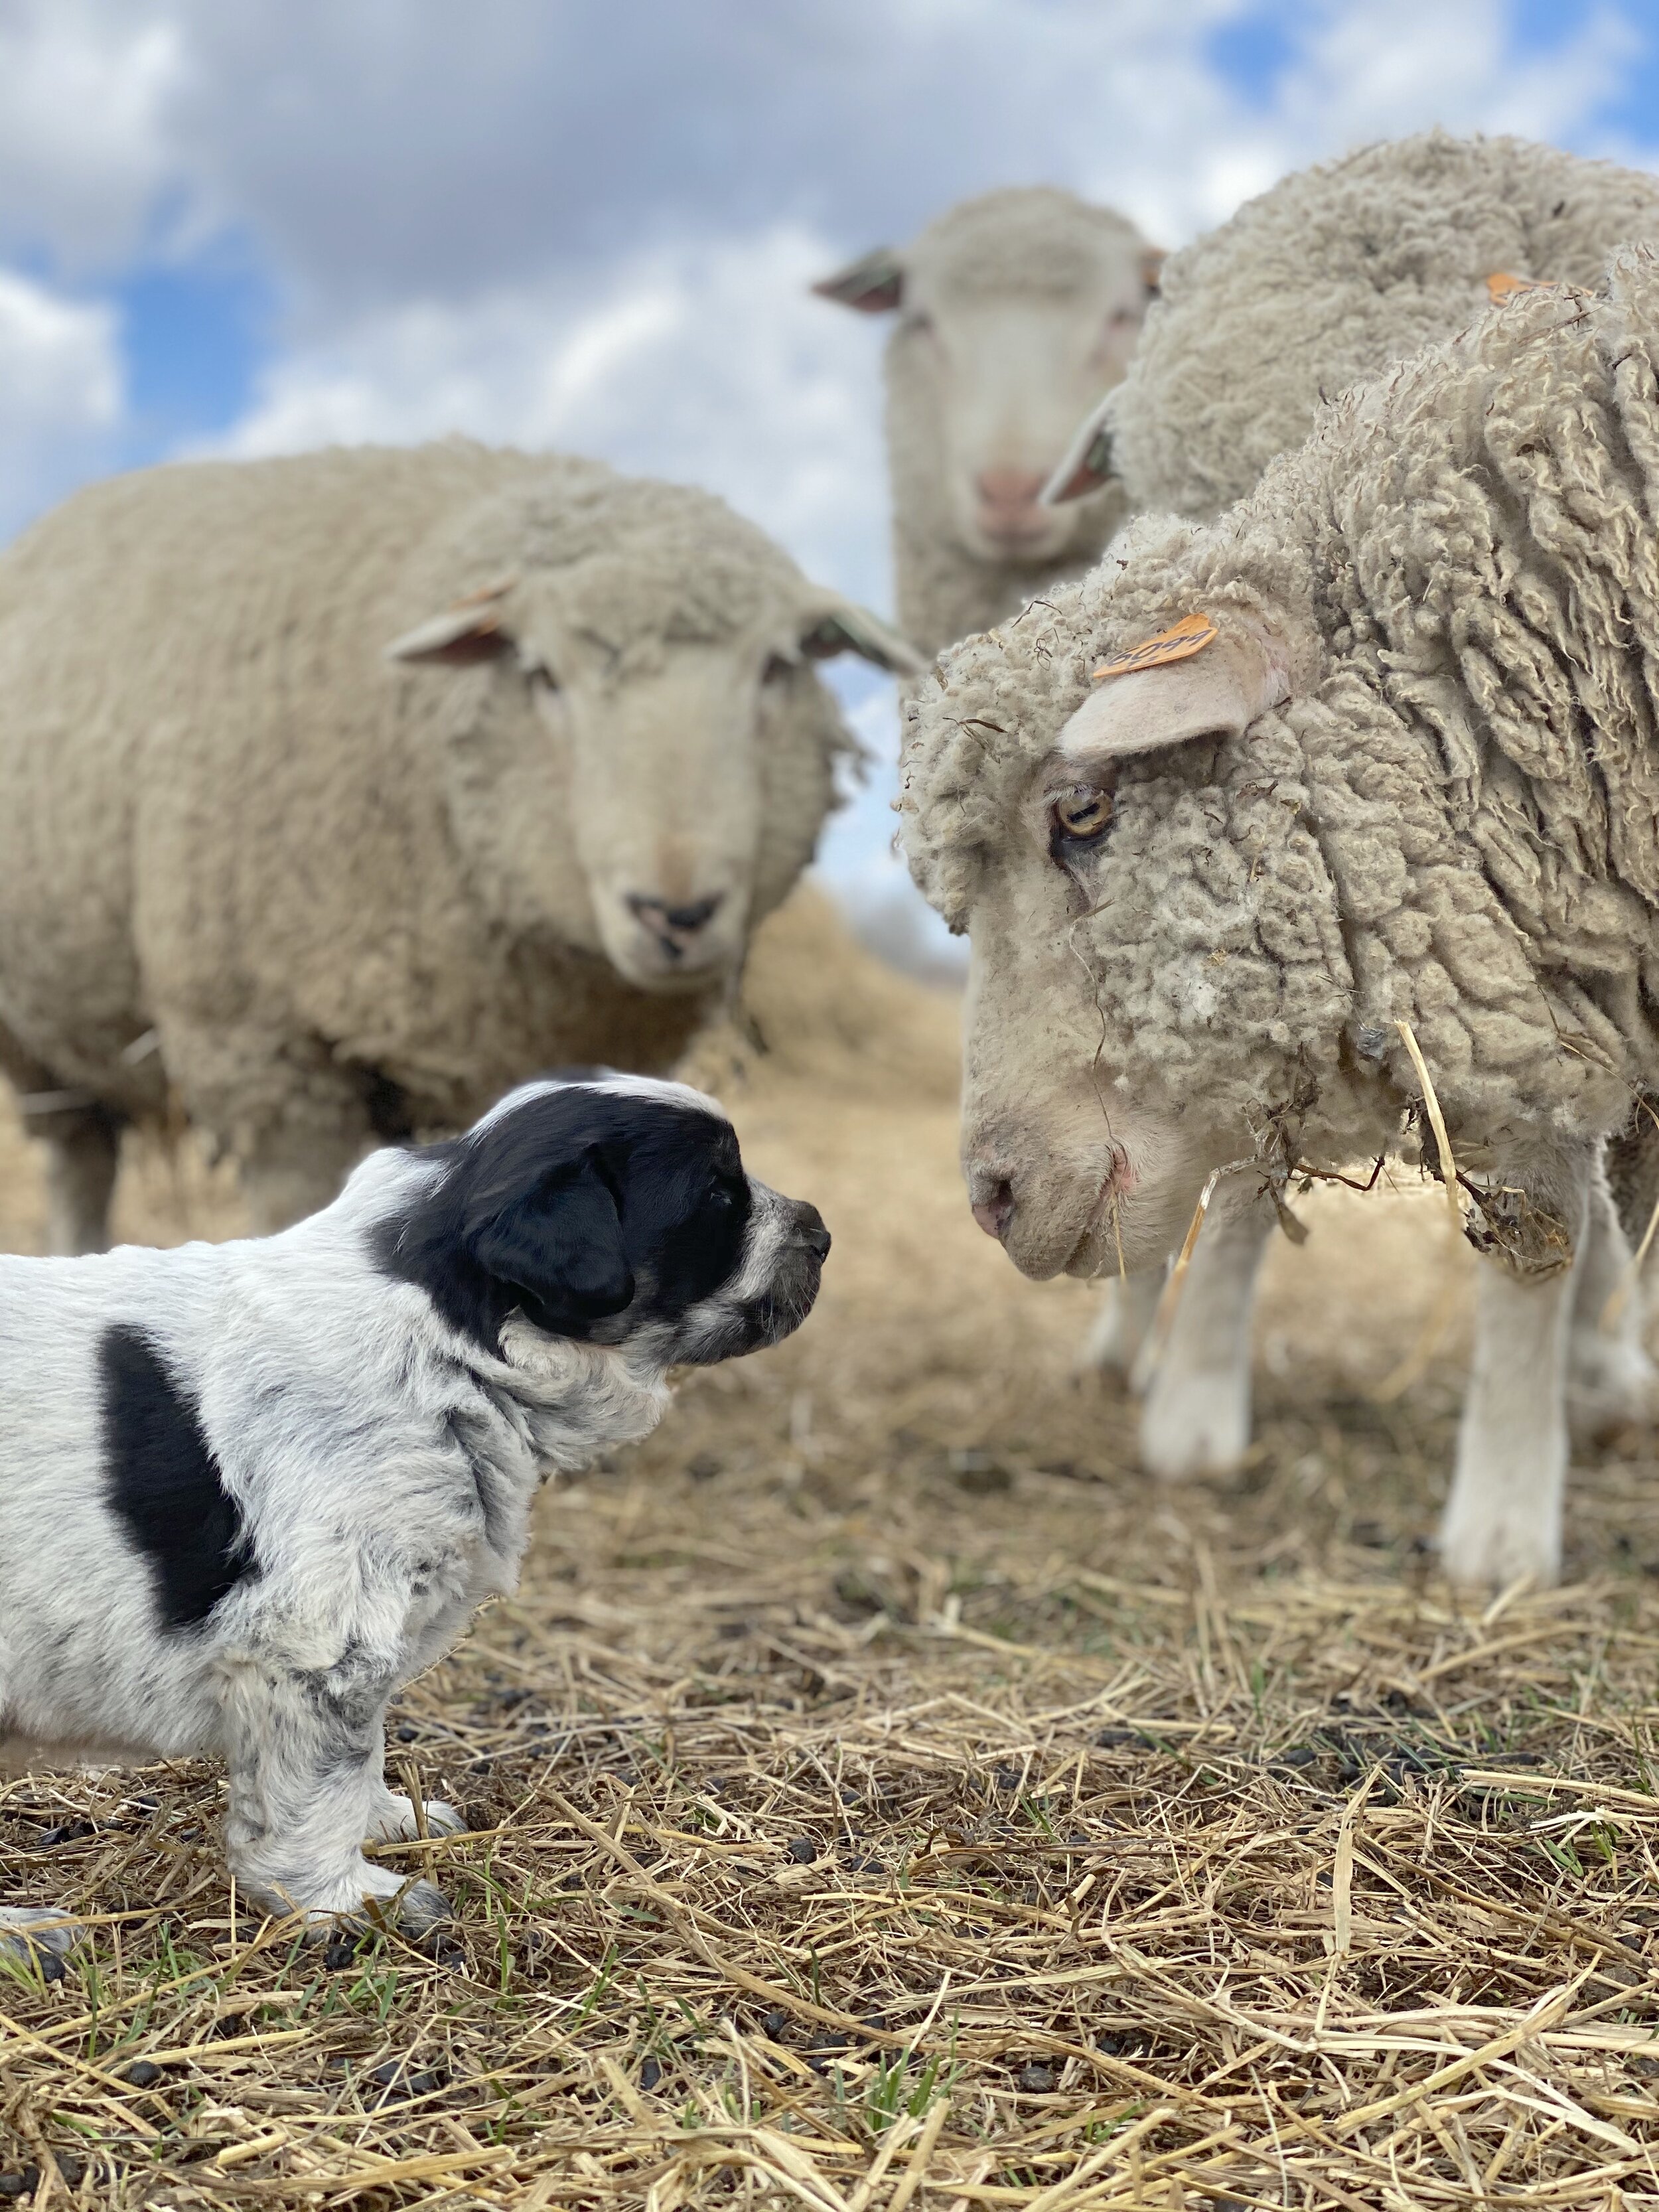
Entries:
{"x":674,"y":928}
{"x":810,"y":1231}
{"x":993,"y":1211}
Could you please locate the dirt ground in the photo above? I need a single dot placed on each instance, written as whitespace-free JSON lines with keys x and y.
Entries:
{"x":883,"y":1797}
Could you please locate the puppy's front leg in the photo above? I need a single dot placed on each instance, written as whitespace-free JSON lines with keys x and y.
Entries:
{"x":305,"y":1751}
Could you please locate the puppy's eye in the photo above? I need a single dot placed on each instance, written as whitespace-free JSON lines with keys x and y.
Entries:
{"x":1080,"y":816}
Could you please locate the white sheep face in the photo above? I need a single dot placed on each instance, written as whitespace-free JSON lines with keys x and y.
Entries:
{"x":641,"y":781}
{"x":1011,"y":375}
{"x":1017,"y":313}
{"x":1114,"y":902}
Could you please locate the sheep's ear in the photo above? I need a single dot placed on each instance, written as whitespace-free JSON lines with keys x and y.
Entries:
{"x":874,"y":283}
{"x":561,"y":1245}
{"x":849,"y":629}
{"x":1215,"y":692}
{"x":1086,"y":462}
{"x":472,"y":630}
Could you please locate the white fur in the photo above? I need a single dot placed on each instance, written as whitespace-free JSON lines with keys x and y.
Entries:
{"x":384,"y":1468}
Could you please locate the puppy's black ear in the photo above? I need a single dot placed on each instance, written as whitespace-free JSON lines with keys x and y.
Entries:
{"x":561,"y":1244}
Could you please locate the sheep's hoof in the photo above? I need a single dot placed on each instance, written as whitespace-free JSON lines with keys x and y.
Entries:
{"x":1198,"y":1424}
{"x":1493,"y":1554}
{"x":37,"y":1939}
{"x":1610,"y":1387}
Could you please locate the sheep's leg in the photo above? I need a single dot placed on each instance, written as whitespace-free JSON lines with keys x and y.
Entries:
{"x":1122,"y":1326}
{"x":1503,"y":1519}
{"x":83,"y":1150}
{"x":1196,"y":1419}
{"x":1610,"y":1377}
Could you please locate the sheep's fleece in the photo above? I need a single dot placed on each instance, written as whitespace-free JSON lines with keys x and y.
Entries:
{"x":251,"y":868}
{"x":1071,"y":280}
{"x":1449,"y":816}
{"x":1320,"y":282}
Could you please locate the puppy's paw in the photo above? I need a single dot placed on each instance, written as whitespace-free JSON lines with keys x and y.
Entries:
{"x":38,"y":1939}
{"x":396,"y":1822}
{"x":356,"y":1894}
{"x":421,"y":1908}
{"x":1196,"y":1424}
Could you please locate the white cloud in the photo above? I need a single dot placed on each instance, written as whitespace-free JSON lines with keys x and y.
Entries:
{"x":1371,"y":72}
{"x":60,"y":372}
{"x":84,"y":145}
{"x":712,"y":364}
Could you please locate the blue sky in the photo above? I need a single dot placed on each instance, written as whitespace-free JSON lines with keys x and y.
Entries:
{"x":252,"y":225}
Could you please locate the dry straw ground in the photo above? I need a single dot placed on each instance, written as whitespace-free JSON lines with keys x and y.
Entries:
{"x":883,"y":1799}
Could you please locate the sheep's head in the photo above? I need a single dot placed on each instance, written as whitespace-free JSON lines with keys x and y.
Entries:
{"x":646,"y":756}
{"x":1154,"y":954}
{"x":1015,"y":314}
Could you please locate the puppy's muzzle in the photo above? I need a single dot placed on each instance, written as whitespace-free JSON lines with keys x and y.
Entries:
{"x":790,"y":1295}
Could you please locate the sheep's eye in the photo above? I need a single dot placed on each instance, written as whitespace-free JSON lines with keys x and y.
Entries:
{"x":1080,"y":817}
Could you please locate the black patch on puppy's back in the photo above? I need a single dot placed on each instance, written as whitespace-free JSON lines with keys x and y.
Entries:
{"x":164,"y":1482}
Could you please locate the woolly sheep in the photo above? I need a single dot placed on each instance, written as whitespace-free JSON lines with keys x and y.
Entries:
{"x":1395,"y":781}
{"x":1015,"y":311}
{"x":1322,"y":281}
{"x":1318,"y":284}
{"x":338,"y":793}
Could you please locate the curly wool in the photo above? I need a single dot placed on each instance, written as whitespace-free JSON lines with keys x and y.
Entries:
{"x":1033,"y":241}
{"x":1320,"y":282}
{"x":1455,"y":821}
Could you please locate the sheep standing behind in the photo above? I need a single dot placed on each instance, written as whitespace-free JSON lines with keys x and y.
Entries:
{"x":1015,"y":312}
{"x":1383,"y":780}
{"x":339,"y":793}
{"x":1316,"y":285}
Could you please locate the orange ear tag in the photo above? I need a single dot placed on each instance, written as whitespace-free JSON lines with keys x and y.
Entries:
{"x":1502,"y":286}
{"x":1179,"y":642}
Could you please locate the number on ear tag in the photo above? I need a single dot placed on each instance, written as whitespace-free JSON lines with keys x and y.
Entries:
{"x":1179,"y":642}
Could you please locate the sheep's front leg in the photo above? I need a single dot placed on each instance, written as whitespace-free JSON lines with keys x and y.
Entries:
{"x":1196,"y":1419}
{"x":306,"y":1752}
{"x":1503,"y":1516}
{"x":1122,"y":1326}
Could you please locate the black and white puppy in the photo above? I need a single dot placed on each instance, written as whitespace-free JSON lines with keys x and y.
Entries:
{"x":248,"y":1490}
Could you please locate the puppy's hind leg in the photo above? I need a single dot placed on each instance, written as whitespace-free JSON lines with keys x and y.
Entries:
{"x":38,"y":1939}
{"x":305,"y":1751}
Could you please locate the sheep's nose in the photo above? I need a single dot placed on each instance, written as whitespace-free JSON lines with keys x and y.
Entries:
{"x":992,"y":1213}
{"x":674,"y":928}
{"x":1008,"y":500}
